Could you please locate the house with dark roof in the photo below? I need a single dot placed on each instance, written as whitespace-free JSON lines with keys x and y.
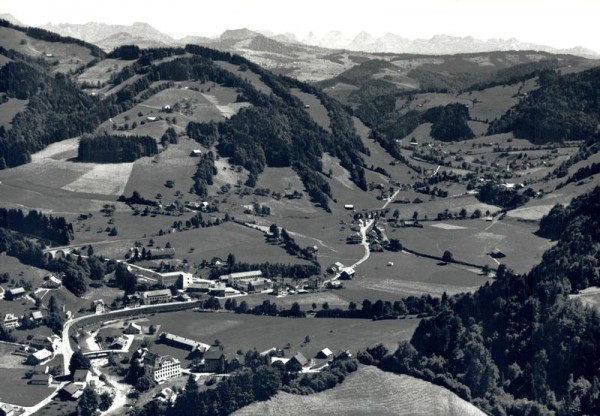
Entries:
{"x":300,"y":359}
{"x":214,"y":359}
{"x":41,"y":379}
{"x":72,"y":391}
{"x":133,"y":329}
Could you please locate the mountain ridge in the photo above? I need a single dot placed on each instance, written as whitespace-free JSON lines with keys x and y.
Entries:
{"x":439,"y":44}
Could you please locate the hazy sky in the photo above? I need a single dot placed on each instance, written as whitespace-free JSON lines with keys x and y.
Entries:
{"x":558,"y":23}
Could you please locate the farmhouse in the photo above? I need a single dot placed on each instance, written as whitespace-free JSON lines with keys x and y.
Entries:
{"x":234,"y":277}
{"x":152,"y":297}
{"x":183,"y":343}
{"x":15,"y":293}
{"x":349,"y":206}
{"x":52,"y":282}
{"x":161,"y":367}
{"x":196,"y":153}
{"x":37,"y":315}
{"x":50,"y":343}
{"x":10,"y":321}
{"x":348,"y":273}
{"x":84,"y":378}
{"x":133,"y":329}
{"x":299,"y":359}
{"x":214,"y":359}
{"x":41,"y":379}
{"x":40,"y":357}
{"x":161,"y":253}
{"x":72,"y":391}
{"x":118,"y":343}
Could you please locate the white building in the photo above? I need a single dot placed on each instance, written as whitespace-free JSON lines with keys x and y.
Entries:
{"x":234,"y":277}
{"x":10,"y":321}
{"x":161,"y":367}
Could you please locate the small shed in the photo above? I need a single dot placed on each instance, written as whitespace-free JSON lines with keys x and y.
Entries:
{"x":497,"y":254}
{"x":324,"y":354}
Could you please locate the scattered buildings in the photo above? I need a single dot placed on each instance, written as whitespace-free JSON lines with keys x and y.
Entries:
{"x":161,"y":367}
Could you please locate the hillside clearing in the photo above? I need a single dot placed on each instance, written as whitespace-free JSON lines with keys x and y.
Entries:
{"x":369,"y":391}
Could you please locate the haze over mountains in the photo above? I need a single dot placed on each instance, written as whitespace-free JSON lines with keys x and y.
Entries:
{"x":110,"y":36}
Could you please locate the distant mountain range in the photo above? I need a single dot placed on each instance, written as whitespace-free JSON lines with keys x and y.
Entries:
{"x":110,"y":36}
{"x":437,"y":45}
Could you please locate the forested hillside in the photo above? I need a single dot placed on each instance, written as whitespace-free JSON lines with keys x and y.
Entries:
{"x":565,"y":107}
{"x":57,"y":109}
{"x":275,"y":131}
{"x":519,"y":346}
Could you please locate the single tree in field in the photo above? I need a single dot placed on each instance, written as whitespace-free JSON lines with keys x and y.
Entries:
{"x":447,"y":257}
{"x":274,"y":229}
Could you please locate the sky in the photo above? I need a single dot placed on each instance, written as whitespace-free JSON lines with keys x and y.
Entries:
{"x":557,"y":23}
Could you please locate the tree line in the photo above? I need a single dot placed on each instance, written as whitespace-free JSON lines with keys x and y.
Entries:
{"x":115,"y":149}
{"x":46,"y":227}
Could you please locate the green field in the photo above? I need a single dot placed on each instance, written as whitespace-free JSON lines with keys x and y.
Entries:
{"x":369,"y":391}
{"x":10,"y":109}
{"x":317,"y":110}
{"x":68,"y":56}
{"x":473,"y":240}
{"x":246,"y":332}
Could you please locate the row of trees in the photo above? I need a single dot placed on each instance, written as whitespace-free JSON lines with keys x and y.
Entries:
{"x":115,"y":149}
{"x":46,"y":227}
